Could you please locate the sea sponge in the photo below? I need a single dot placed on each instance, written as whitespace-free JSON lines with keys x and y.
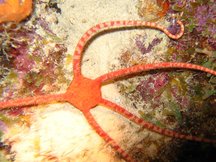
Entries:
{"x":15,"y":10}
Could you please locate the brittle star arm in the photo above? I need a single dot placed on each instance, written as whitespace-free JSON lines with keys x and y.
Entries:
{"x":139,"y":68}
{"x":147,"y":67}
{"x":31,"y":101}
{"x":112,"y":25}
{"x":167,"y":132}
{"x":106,"y":137}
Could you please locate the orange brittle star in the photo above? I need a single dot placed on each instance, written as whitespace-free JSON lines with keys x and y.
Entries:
{"x":85,"y":93}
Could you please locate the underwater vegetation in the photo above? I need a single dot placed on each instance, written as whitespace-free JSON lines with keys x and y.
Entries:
{"x":30,"y":51}
{"x":28,"y":57}
{"x":147,"y":49}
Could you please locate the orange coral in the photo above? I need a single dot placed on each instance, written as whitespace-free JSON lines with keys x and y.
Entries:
{"x":15,"y":10}
{"x":164,"y":4}
{"x":153,"y":10}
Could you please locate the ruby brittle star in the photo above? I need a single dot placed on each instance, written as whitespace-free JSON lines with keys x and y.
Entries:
{"x":85,"y":93}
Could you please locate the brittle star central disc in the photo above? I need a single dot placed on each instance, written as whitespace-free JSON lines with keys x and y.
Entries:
{"x":84,"y":93}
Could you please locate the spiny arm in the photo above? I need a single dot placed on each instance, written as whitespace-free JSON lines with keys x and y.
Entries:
{"x":110,"y":25}
{"x":106,"y":137}
{"x":120,"y":110}
{"x":140,"y":68}
{"x":30,"y":101}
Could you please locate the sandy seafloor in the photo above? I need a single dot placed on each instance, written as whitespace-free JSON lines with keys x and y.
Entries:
{"x":59,"y":132}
